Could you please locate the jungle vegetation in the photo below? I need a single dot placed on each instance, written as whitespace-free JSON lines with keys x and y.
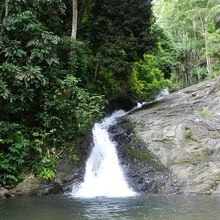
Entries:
{"x":62,"y":61}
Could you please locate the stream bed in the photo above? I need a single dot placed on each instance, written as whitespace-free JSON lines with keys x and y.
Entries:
{"x":64,"y":207}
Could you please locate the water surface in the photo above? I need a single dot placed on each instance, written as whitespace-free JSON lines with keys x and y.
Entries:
{"x":61,"y":207}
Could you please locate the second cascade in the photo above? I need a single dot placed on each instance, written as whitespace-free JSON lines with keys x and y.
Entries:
{"x":104,"y":175}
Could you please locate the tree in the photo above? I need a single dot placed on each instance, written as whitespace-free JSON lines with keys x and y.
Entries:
{"x":74,"y":20}
{"x":44,"y":106}
{"x":6,"y":8}
{"x":119,"y":33}
{"x":193,"y":26}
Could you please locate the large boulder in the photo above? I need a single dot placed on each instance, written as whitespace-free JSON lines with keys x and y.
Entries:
{"x":4,"y":193}
{"x":30,"y":186}
{"x":173,"y":144}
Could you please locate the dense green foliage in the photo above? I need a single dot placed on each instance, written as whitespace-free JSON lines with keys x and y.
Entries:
{"x":119,"y":34}
{"x":43,"y":106}
{"x":194,"y":27}
{"x":147,"y":85}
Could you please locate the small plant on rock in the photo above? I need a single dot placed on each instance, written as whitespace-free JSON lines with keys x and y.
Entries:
{"x":205,"y":112}
{"x":188,"y":133}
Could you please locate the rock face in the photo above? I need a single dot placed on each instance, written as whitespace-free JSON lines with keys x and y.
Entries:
{"x":144,"y":172}
{"x":173,"y":144}
{"x":4,"y":193}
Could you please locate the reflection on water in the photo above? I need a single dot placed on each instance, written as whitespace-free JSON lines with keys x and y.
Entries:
{"x":134,"y":208}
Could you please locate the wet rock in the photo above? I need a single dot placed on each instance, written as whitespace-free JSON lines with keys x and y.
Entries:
{"x":4,"y":193}
{"x":54,"y":188}
{"x":70,"y":172}
{"x":144,"y":171}
{"x":30,"y":186}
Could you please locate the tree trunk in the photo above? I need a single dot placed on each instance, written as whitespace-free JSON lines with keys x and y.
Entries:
{"x":74,"y":20}
{"x":1,"y":14}
{"x":208,"y":60}
{"x":6,"y":8}
{"x":96,"y":71}
{"x":194,"y":28}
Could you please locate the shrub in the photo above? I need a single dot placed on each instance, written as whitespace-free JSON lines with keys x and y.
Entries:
{"x":147,"y":79}
{"x":13,"y":151}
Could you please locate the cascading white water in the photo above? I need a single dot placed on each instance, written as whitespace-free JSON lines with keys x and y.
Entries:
{"x":163,"y":93}
{"x":104,"y":176}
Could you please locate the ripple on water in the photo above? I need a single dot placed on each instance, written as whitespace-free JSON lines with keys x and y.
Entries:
{"x":131,"y":208}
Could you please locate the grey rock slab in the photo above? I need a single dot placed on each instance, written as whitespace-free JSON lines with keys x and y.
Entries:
{"x":182,"y":133}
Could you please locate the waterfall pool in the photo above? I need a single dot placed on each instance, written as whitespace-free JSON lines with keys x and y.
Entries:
{"x":64,"y":207}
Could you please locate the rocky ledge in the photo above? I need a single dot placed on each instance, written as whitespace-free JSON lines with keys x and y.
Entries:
{"x":172,"y":145}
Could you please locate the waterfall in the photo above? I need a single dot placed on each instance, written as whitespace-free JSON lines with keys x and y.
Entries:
{"x":104,"y":175}
{"x":163,"y":93}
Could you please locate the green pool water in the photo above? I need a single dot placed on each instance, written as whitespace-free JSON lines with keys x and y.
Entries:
{"x":63,"y":207}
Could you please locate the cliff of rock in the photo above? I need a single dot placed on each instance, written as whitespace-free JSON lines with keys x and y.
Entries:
{"x":172,"y":145}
